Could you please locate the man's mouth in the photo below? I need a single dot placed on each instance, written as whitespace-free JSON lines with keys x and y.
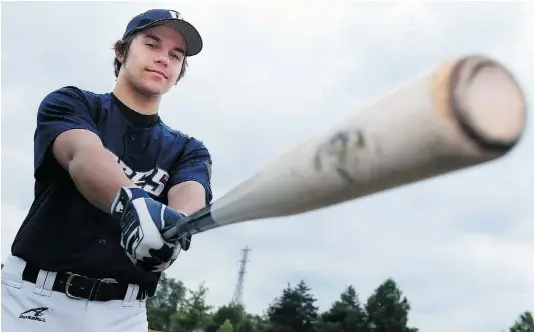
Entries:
{"x":159,"y":72}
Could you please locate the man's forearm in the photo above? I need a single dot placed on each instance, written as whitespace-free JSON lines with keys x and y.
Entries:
{"x":97,"y":176}
{"x":187,"y":197}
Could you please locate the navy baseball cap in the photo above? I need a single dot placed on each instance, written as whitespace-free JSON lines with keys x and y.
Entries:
{"x":170,"y":18}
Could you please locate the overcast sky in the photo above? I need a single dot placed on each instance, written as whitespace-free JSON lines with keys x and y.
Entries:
{"x":460,"y":246}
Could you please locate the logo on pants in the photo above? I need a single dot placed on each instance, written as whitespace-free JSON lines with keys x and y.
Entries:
{"x":35,"y":314}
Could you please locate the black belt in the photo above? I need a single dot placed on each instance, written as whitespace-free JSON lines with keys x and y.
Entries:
{"x":80,"y":287}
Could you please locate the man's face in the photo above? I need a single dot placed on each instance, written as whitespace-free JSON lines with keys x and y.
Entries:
{"x":154,"y":60}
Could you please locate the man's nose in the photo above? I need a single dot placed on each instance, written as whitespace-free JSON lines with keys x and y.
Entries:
{"x":163,"y":60}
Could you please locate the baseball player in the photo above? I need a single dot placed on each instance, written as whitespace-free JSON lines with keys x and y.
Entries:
{"x":111,"y":181}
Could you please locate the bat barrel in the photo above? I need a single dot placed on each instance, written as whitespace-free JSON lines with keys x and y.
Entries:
{"x":465,"y":112}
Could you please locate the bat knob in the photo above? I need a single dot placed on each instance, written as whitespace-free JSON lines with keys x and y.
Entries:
{"x":488,"y":103}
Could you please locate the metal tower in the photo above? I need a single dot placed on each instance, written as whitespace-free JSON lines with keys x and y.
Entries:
{"x":238,"y":292}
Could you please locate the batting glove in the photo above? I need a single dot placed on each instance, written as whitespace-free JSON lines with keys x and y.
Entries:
{"x":148,"y":233}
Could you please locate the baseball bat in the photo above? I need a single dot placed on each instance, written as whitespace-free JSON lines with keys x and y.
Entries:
{"x":465,"y":112}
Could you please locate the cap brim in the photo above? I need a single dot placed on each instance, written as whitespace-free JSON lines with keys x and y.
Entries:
{"x":190,"y":33}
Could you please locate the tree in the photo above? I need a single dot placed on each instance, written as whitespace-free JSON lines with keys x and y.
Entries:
{"x":226,"y":327}
{"x":294,"y":311}
{"x":163,"y":305}
{"x":193,"y":312}
{"x":248,"y":324}
{"x":174,"y":308}
{"x":232,"y":312}
{"x":345,"y":315}
{"x":525,"y":323}
{"x":387,"y":310}
{"x":257,"y":323}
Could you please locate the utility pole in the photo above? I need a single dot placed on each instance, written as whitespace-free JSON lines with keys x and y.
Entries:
{"x":237,"y":299}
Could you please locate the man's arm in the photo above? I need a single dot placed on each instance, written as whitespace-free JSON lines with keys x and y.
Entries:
{"x":67,"y":137}
{"x":187,"y":197}
{"x":190,"y":182}
{"x":190,"y":179}
{"x":93,"y":169}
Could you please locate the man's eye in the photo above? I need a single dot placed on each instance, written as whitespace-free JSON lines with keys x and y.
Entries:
{"x":176,"y":56}
{"x":151,"y":45}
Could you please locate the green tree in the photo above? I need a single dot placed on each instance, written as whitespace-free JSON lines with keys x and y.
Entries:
{"x":259,"y":323}
{"x":247,"y":324}
{"x":345,"y":315}
{"x":387,"y":310}
{"x":226,"y":327}
{"x":232,"y":312}
{"x":525,"y":323}
{"x":294,"y":311}
{"x":163,"y":305}
{"x":193,"y":313}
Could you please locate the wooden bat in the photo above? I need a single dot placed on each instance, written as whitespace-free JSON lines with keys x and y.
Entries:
{"x":466,"y":112}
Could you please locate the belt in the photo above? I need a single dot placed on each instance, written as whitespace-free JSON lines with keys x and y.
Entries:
{"x":77,"y":286}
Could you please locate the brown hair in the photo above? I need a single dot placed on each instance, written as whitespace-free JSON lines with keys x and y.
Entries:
{"x":123,"y":46}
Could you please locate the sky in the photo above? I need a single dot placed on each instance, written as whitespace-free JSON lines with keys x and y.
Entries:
{"x":459,"y":246}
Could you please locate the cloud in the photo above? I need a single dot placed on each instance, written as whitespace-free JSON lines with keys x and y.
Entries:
{"x":275,"y":73}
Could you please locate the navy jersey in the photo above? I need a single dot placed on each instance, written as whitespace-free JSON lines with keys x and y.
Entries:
{"x":63,"y":231}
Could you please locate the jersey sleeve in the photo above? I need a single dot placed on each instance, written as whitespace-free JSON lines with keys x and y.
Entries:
{"x":61,"y":110}
{"x":194,"y":165}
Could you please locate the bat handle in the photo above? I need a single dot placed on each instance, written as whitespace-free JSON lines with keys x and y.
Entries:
{"x":197,"y":222}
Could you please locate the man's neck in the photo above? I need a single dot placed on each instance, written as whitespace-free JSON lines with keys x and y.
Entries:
{"x":135,"y":100}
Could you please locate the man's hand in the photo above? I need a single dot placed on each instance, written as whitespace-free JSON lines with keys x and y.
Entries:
{"x":148,"y":229}
{"x":185,"y":242}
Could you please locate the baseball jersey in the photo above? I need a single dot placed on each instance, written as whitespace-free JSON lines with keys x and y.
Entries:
{"x":63,"y":231}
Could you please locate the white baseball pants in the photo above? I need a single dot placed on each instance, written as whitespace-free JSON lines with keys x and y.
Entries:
{"x":29,"y":307}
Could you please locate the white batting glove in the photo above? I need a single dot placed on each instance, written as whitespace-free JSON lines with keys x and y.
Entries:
{"x":143,"y":220}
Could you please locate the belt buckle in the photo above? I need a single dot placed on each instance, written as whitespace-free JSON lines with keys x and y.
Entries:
{"x":68,"y":284}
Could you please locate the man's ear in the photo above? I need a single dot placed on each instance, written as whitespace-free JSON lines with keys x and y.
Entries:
{"x":119,"y":57}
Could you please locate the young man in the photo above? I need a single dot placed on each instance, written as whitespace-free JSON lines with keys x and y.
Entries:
{"x":111,"y":181}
